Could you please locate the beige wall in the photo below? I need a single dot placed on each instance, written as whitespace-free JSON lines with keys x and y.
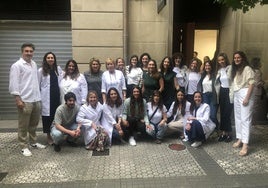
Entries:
{"x":97,"y":30}
{"x":120,"y":28}
{"x":149,"y":31}
{"x":246,"y":32}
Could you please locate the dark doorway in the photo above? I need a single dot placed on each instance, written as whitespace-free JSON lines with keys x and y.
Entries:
{"x":191,"y":15}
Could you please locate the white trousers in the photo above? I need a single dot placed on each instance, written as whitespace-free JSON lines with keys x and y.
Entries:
{"x":243,"y":115}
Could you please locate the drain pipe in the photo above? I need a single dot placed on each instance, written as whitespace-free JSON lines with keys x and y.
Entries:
{"x":125,"y":30}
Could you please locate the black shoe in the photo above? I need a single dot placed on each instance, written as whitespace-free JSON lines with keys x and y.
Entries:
{"x":158,"y":141}
{"x":222,"y":138}
{"x":57,"y":147}
{"x":228,"y":139}
{"x":73,"y":144}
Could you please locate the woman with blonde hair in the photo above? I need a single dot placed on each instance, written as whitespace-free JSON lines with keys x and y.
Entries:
{"x":89,"y":116}
{"x":113,"y":78}
{"x":93,"y":77}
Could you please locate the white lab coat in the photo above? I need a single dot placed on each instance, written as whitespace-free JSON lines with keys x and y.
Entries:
{"x":44,"y":82}
{"x":86,"y":116}
{"x":109,"y":118}
{"x":77,"y":86}
{"x":202,"y":115}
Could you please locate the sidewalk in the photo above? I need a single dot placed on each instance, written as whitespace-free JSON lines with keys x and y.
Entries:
{"x":214,"y":164}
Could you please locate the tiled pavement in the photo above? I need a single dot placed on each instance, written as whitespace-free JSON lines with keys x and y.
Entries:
{"x":146,"y":165}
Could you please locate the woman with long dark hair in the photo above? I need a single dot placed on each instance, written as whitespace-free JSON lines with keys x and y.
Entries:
{"x":112,"y":115}
{"x":157,"y":114}
{"x":133,"y":74}
{"x":226,"y":107}
{"x":75,"y":82}
{"x":199,"y":126}
{"x":50,"y":76}
{"x":134,"y":116}
{"x":179,"y":111}
{"x":207,"y":86}
{"x":152,"y":80}
{"x":242,"y":77}
{"x":170,"y":81}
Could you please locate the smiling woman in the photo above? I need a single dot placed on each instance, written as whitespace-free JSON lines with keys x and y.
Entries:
{"x":89,"y":115}
{"x":199,"y":126}
{"x":74,"y":82}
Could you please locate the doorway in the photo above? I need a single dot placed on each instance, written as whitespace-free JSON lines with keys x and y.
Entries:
{"x":195,"y":26}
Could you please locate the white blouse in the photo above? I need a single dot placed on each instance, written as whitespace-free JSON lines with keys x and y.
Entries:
{"x":115,"y":79}
{"x":224,"y":77}
{"x":77,"y":86}
{"x":158,"y":116}
{"x":181,"y":75}
{"x":207,"y":84}
{"x":193,"y":79}
{"x":134,"y":76}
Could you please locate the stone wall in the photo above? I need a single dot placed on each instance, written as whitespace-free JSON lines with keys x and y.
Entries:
{"x":246,"y":32}
{"x":120,"y":28}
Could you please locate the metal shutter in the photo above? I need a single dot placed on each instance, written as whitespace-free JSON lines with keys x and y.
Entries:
{"x":45,"y":35}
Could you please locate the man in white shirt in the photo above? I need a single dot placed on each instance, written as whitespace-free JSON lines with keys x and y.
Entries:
{"x":24,"y":86}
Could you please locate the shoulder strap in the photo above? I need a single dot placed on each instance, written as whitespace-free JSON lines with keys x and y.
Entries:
{"x":153,"y":113}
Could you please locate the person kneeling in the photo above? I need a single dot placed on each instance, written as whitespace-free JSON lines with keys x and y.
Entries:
{"x":157,"y":117}
{"x":199,"y":126}
{"x":65,"y":122}
{"x":134,"y":117}
{"x":89,"y":115}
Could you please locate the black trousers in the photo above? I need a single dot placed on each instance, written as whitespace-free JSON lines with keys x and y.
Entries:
{"x":226,"y":110}
{"x":135,"y":125}
{"x":196,"y":132}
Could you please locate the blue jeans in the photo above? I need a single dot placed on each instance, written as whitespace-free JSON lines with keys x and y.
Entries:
{"x":208,"y":98}
{"x":157,"y":131}
{"x":58,"y":136}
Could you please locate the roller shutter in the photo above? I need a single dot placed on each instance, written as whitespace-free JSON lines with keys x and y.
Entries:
{"x":45,"y":35}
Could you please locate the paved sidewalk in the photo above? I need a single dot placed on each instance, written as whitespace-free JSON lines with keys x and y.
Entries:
{"x":146,"y":165}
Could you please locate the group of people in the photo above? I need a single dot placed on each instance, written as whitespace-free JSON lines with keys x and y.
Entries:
{"x":124,"y":101}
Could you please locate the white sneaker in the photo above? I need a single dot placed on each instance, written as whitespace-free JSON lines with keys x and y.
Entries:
{"x":196,"y":144}
{"x":38,"y":145}
{"x":26,"y":152}
{"x":132,"y":141}
{"x":185,"y":139}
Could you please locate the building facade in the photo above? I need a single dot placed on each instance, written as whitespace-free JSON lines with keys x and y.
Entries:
{"x":83,"y":29}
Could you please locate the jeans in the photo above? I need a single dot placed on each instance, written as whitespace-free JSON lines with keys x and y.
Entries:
{"x":208,"y":98}
{"x":157,"y":131}
{"x":58,"y":136}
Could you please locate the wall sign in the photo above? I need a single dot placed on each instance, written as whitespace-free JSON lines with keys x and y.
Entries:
{"x":160,"y":5}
